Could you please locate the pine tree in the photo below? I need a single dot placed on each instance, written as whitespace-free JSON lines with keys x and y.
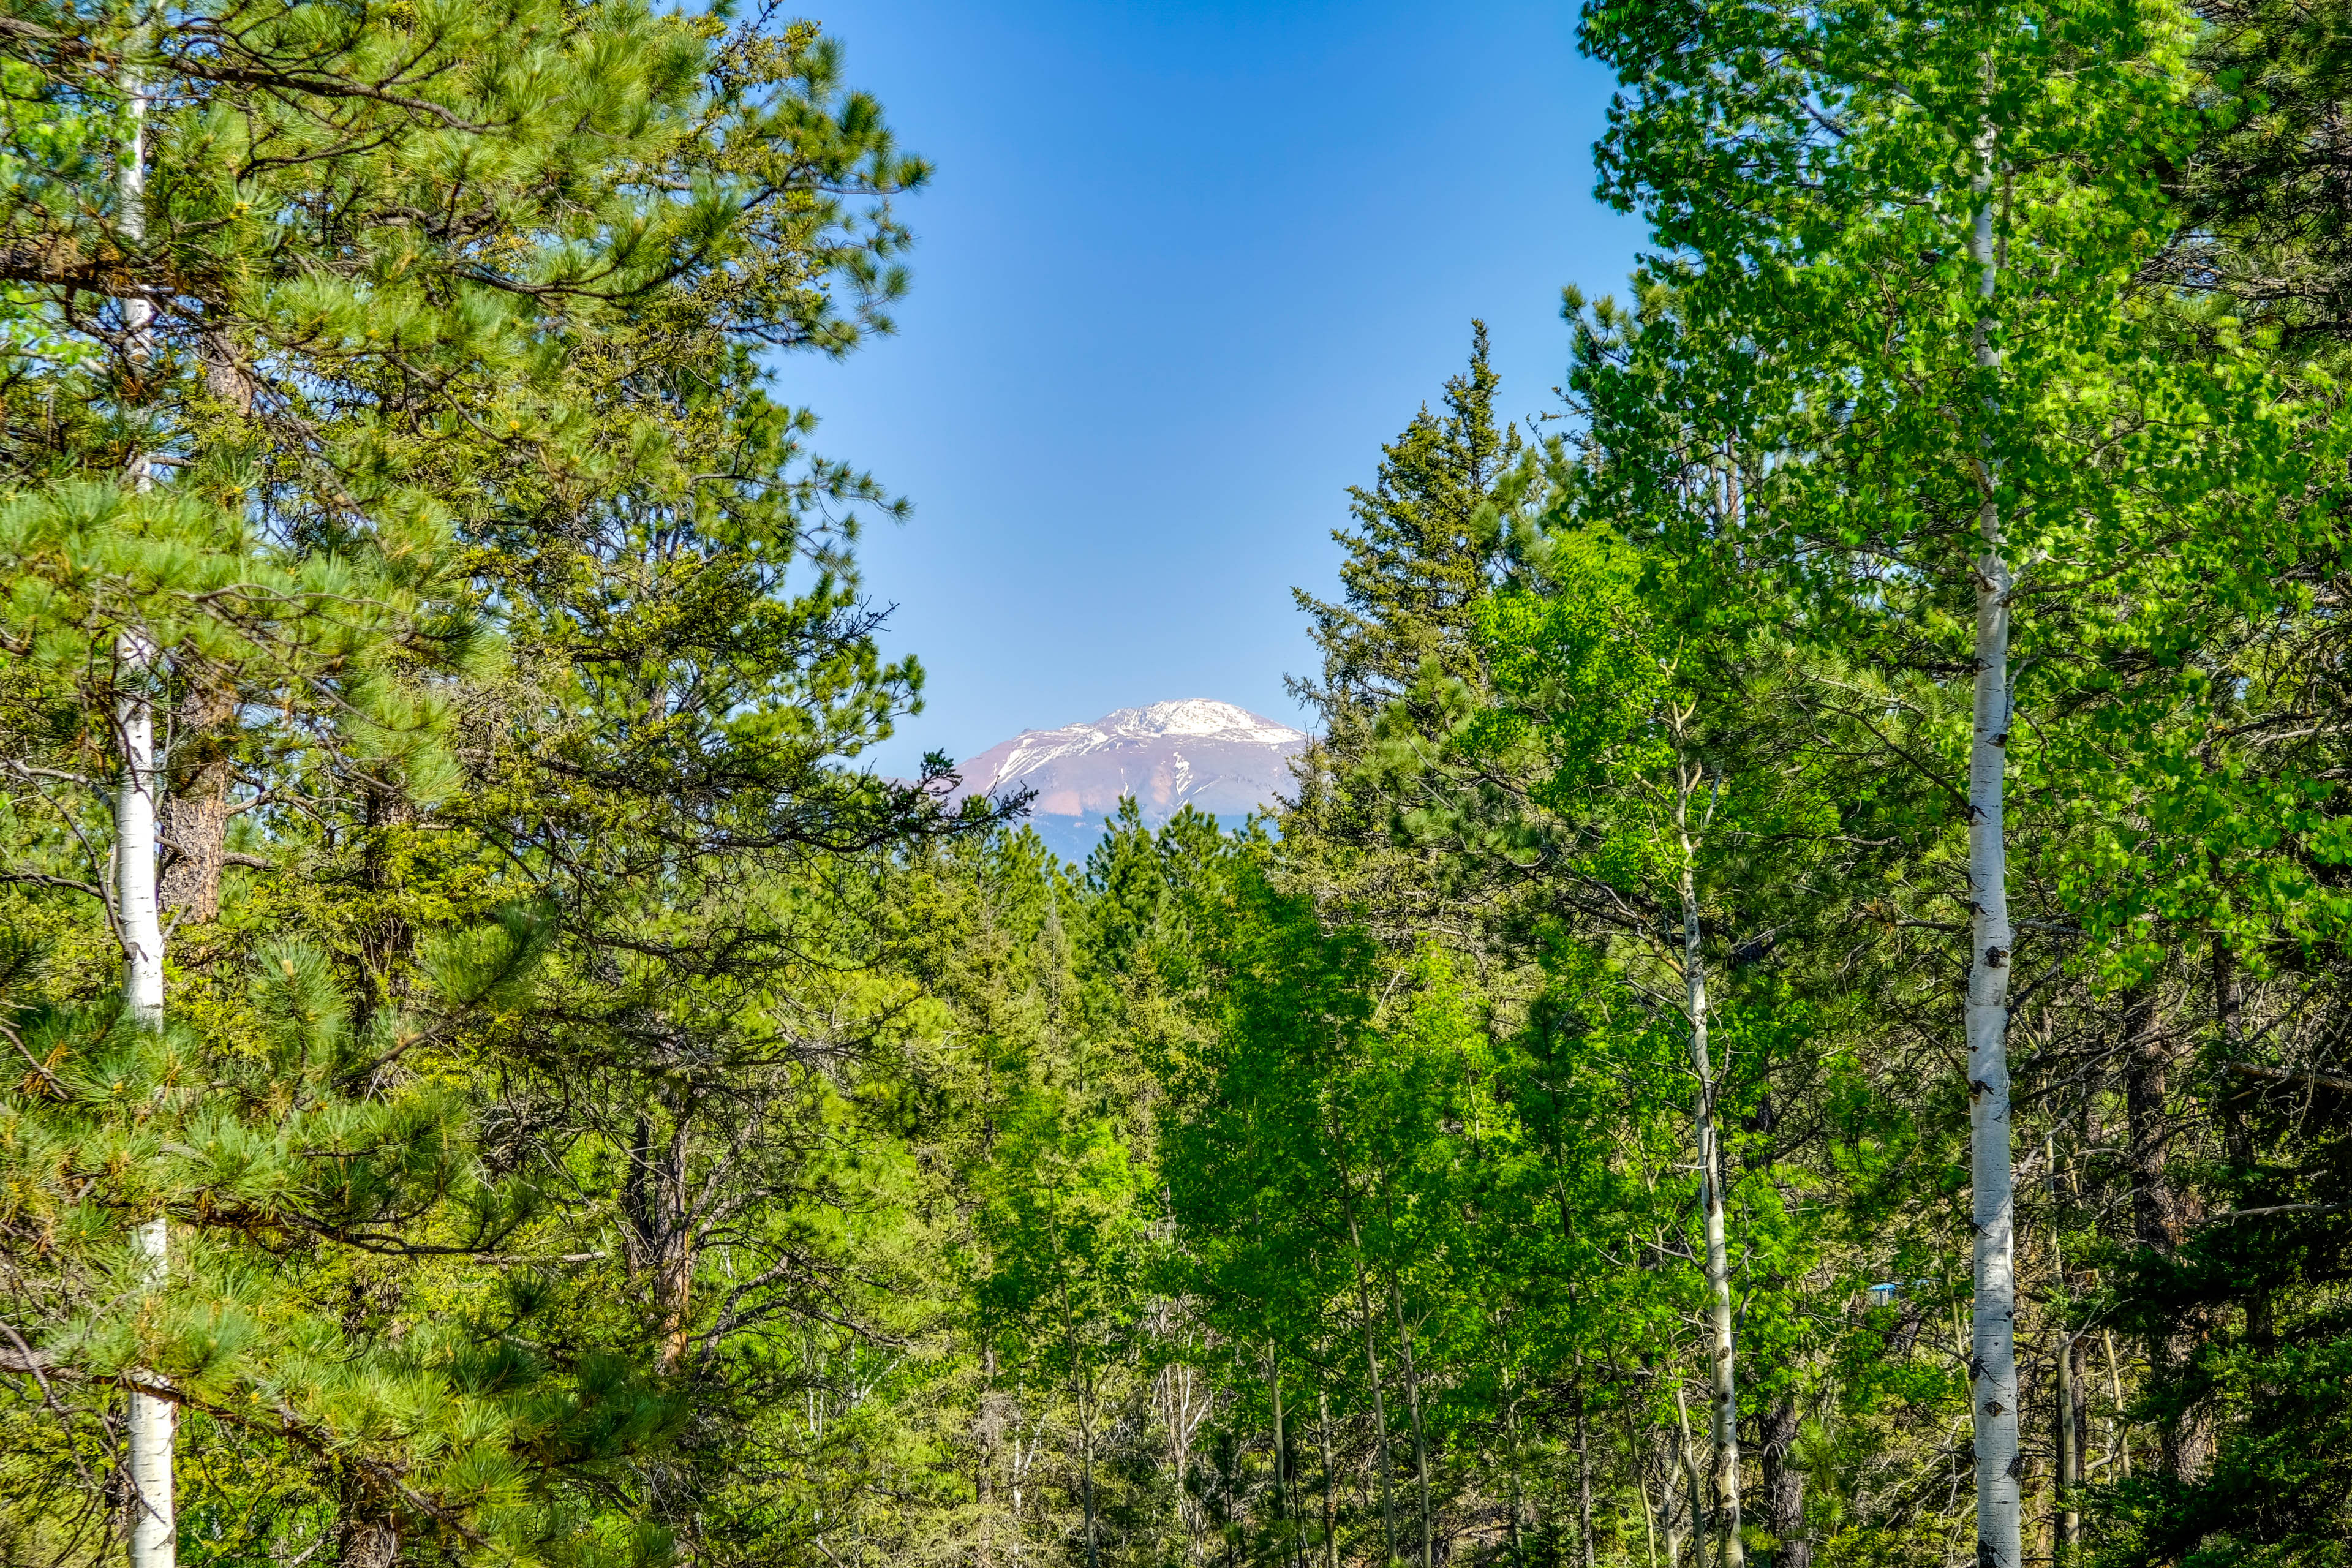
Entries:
{"x":428,"y":342}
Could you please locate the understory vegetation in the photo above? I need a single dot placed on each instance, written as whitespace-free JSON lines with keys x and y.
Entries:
{"x":1797,"y":1014}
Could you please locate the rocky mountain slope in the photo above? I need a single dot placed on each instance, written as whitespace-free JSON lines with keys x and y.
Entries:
{"x":1213,"y":756}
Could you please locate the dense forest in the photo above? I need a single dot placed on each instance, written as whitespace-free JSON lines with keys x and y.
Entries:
{"x":1797,"y":1014}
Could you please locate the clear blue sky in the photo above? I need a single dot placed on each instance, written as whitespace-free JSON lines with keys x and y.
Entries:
{"x":1183,"y":267}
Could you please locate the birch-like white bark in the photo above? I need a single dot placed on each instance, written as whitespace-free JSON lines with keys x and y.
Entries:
{"x":1723,"y":1379}
{"x":1700,"y":1527}
{"x":1993,"y":1367}
{"x":151,"y":1419}
{"x":154,"y":1525}
{"x":1372,"y":1369}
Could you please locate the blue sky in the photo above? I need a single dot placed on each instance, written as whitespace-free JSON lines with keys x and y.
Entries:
{"x":1183,"y":267}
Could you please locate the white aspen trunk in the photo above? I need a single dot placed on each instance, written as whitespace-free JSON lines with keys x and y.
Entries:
{"x":1380,"y":1405}
{"x":2119,"y":1439}
{"x":134,"y":839}
{"x":1412,"y":1408}
{"x":1330,"y":1513}
{"x":1701,"y":1528}
{"x":152,"y":1420}
{"x":1282,"y":1509}
{"x":1518,"y":1503}
{"x":154,"y":1525}
{"x":1993,"y":1367}
{"x":1722,"y":1379}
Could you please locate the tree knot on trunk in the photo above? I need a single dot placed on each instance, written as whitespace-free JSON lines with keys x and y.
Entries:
{"x":1995,"y":957}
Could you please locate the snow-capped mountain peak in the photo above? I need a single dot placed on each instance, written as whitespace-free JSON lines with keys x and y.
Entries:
{"x":1197,"y":716}
{"x":1216,"y":757}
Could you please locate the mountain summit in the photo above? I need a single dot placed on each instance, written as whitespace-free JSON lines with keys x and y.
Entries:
{"x":1212,"y":756}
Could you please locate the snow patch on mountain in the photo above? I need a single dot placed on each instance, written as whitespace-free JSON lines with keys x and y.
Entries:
{"x":1210,"y":755}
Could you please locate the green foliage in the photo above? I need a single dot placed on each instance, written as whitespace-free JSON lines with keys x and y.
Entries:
{"x":598,"y":1123}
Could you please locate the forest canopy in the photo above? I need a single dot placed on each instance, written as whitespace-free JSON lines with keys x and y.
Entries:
{"x":1795,"y":1012}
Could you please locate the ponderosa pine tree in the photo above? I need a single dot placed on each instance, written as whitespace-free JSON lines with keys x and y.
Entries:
{"x":413,"y":277}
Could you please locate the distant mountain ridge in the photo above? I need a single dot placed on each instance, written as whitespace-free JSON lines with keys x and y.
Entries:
{"x":1210,"y":755}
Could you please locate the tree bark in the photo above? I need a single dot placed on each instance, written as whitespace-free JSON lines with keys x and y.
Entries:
{"x":1702,"y":1527}
{"x":195,"y":805}
{"x":1519,"y":1500}
{"x":2161,"y":1214}
{"x":2229,"y":1024}
{"x":1725,"y":1389}
{"x":1993,"y":1367}
{"x":1412,"y":1408}
{"x":2066,"y":1527}
{"x":1784,"y":1485}
{"x":1283,"y":1511}
{"x":660,"y":1236}
{"x":1330,"y":1513}
{"x":2115,"y":1428}
{"x":1584,"y":1470}
{"x":154,"y":1422}
{"x":1372,"y":1371}
{"x":2066,"y":1407}
{"x":1082,"y":1389}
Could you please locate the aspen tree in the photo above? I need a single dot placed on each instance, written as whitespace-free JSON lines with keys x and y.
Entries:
{"x":1721,"y":1369}
{"x":1999,"y":441}
{"x":1992,"y":1363}
{"x":1584,"y":676}
{"x":154,"y":1517}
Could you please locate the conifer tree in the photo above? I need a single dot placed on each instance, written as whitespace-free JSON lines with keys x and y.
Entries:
{"x":1426,"y":546}
{"x":420,"y":293}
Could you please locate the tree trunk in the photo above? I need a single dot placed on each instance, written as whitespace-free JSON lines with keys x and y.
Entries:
{"x":196,"y":805}
{"x":2158,"y":1220}
{"x":1993,"y":1404}
{"x":1372,"y":1371}
{"x":1283,"y":1511}
{"x":1702,"y":1526}
{"x":1584,"y":1470}
{"x":2229,"y":1024}
{"x":1082,"y":1389}
{"x":1087,"y":1459}
{"x":1412,"y":1408}
{"x":387,"y":939}
{"x":1643,"y":1462}
{"x":2115,"y":1428}
{"x":2066,"y":1527}
{"x":1726,"y":1388}
{"x":661,"y":1235}
{"x":153,"y":1422}
{"x":1519,"y":1500}
{"x":987,"y":1427}
{"x":1784,"y":1485}
{"x":1330,"y":1513}
{"x":2161,"y":1214}
{"x":2066,"y":1407}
